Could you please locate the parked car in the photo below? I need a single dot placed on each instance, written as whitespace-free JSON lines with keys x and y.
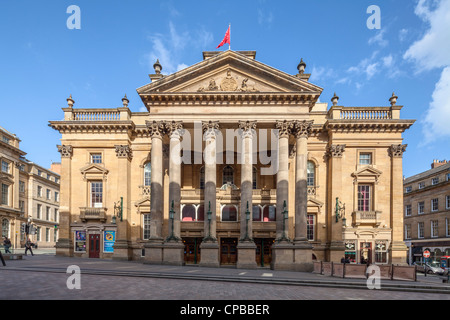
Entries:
{"x":431,"y":267}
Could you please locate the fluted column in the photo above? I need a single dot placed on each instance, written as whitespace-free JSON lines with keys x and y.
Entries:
{"x":175,"y":132}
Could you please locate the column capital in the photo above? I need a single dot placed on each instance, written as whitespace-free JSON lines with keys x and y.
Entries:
{"x":396,"y":150}
{"x":284,"y":128}
{"x":65,"y":150}
{"x":174,"y":129}
{"x":156,"y":129}
{"x":247,"y":128}
{"x":124,"y":151}
{"x":336,"y":150}
{"x":302,"y":129}
{"x":210,"y":129}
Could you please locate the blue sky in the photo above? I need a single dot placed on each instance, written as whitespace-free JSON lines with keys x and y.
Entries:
{"x":43,"y":62}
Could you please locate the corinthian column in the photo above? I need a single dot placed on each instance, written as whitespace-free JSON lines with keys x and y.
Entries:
{"x":209,"y":246}
{"x":154,"y":252}
{"x":398,"y":249}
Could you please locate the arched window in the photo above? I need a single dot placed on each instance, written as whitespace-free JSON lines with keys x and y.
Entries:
{"x":255,"y":172}
{"x":188,"y":213}
{"x":229,"y":213}
{"x":202,"y":178}
{"x":201,"y":213}
{"x":228,"y":175}
{"x":147,"y":174}
{"x":256,"y":213}
{"x":5,"y":228}
{"x":269,"y":213}
{"x":311,"y":174}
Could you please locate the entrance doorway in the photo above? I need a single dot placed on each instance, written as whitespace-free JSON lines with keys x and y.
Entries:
{"x":192,"y":250}
{"x":228,"y":251}
{"x":94,"y":246}
{"x":366,"y":252}
{"x":263,"y":251}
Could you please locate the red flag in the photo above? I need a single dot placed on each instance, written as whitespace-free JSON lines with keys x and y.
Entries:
{"x":226,"y":39}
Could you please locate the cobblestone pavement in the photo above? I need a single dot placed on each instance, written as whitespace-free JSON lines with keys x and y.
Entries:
{"x":45,"y":277}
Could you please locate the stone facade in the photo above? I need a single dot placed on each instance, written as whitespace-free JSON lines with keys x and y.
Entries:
{"x":235,"y":162}
{"x":427,"y":212}
{"x":30,"y":195}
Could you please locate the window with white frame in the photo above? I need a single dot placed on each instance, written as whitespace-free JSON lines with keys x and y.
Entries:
{"x":147,"y":174}
{"x":421,"y":207}
{"x":56,"y":196}
{"x":21,"y":186}
{"x":310,"y":226}
{"x":447,"y":227}
{"x":229,"y":213}
{"x":146,"y":226}
{"x":364,"y":197}
{"x":39,"y":211}
{"x":56,"y":215}
{"x":434,"y":204}
{"x":434,"y":228}
{"x":228,"y":175}
{"x":202,"y":178}
{"x":408,"y":189}
{"x":5,"y":166}
{"x":96,"y":158}
{"x":434,"y":181}
{"x":408,"y":210}
{"x":311,"y":174}
{"x":380,"y":252}
{"x":365,"y":158}
{"x":49,"y":194}
{"x":421,"y":185}
{"x":39,"y":191}
{"x":5,"y":228}
{"x":5,"y":194}
{"x":447,"y":202}
{"x":47,"y":213}
{"x":407,"y":231}
{"x":421,"y":230}
{"x":96,"y":194}
{"x":447,"y":177}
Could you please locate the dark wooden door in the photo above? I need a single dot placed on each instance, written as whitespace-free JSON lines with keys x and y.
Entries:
{"x":192,"y":250}
{"x":94,"y":246}
{"x":263,"y":251}
{"x":228,"y":251}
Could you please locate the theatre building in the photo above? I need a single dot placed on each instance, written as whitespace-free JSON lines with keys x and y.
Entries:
{"x":233,"y":163}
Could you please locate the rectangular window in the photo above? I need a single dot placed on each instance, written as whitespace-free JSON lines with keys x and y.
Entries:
{"x":434,"y":204}
{"x":5,"y":194}
{"x":364,"y":198}
{"x":22,"y":206}
{"x":434,"y":229}
{"x":448,"y":177}
{"x":56,"y":196}
{"x":408,"y":189}
{"x":421,"y":185}
{"x":6,"y":139}
{"x":310,"y":224}
{"x":447,"y":202}
{"x":365,"y":158}
{"x":39,"y":173}
{"x":408,"y":210}
{"x":146,"y":230}
{"x":47,"y":213}
{"x":39,"y":191}
{"x":350,"y":251}
{"x":380,"y":252}
{"x":96,"y":158}
{"x":420,"y":230}
{"x":96,"y":194}
{"x":421,"y":207}
{"x":407,"y":231}
{"x":5,"y":166}
{"x":434,"y":181}
{"x":447,"y":227}
{"x":21,"y":186}
{"x":55,"y":235}
{"x":49,"y":194}
{"x":47,"y":234}
{"x":56,"y":215}
{"x":39,"y":211}
{"x":38,"y":234}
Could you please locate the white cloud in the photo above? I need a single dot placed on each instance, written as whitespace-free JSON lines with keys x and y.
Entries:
{"x":388,"y":61}
{"x":378,"y":39}
{"x":431,"y":52}
{"x":321,"y":74}
{"x":402,"y":34}
{"x":264,"y":18}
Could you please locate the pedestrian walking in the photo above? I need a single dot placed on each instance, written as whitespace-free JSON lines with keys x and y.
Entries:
{"x":7,"y":244}
{"x":28,"y":247}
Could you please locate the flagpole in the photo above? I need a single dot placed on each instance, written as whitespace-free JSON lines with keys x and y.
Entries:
{"x":229,"y":45}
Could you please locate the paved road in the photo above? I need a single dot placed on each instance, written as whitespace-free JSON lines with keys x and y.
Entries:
{"x":45,"y":277}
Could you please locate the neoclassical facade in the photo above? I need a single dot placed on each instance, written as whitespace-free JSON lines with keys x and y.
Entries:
{"x":235,"y":162}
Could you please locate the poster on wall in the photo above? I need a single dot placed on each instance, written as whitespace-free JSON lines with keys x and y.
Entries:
{"x":108,"y":241}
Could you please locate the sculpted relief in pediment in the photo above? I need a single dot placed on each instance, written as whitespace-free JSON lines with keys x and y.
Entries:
{"x":229,"y":83}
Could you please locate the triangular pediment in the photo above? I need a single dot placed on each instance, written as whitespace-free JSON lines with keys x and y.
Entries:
{"x":367,"y":174}
{"x":94,"y":169}
{"x":230,"y":72}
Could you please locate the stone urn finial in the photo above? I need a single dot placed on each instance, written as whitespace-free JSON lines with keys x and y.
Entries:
{"x":70,"y":101}
{"x":393,"y":99}
{"x":335,"y":99}
{"x":301,"y":66}
{"x":125,"y":101}
{"x":157,"y":66}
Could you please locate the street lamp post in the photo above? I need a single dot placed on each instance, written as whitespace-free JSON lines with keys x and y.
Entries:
{"x":285,"y":217}
{"x":171,"y":217}
{"x":247,"y":218}
{"x":209,"y":237}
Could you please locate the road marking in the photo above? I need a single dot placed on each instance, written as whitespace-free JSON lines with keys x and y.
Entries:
{"x":267,"y":275}
{"x":192,"y":271}
{"x":242,"y":273}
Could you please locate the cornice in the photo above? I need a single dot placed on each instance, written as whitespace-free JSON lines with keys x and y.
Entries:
{"x":92,"y":126}
{"x":368,"y":125}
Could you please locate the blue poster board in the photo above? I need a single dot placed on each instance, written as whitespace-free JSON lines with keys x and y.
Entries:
{"x":108,"y":241}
